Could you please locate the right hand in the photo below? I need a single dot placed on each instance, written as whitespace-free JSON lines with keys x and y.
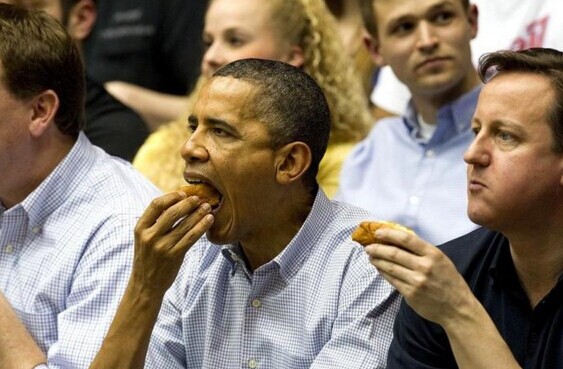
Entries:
{"x":424,"y":275}
{"x":165,"y":232}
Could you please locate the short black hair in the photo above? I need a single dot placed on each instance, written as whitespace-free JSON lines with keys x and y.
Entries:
{"x":289,"y":102}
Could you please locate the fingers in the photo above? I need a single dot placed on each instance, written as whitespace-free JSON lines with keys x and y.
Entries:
{"x":388,"y":255}
{"x":189,"y":229}
{"x":405,"y":240}
{"x":157,"y":207}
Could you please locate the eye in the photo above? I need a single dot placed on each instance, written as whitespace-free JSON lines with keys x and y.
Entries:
{"x":207,"y":41}
{"x":402,"y":28}
{"x":443,"y":17}
{"x":235,"y":40}
{"x":192,"y":126}
{"x":475,"y":130}
{"x":505,"y":136}
{"x":219,"y":132}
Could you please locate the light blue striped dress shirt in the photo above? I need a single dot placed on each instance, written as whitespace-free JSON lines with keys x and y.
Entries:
{"x":318,"y":304}
{"x":66,"y":252}
{"x":397,"y":176}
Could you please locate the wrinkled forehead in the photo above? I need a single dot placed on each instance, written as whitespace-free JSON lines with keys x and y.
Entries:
{"x":227,"y":96}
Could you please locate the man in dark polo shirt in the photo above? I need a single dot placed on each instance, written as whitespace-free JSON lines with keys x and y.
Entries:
{"x":504,"y":309}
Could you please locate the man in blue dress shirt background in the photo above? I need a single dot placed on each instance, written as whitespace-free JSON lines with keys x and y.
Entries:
{"x":410,"y":169}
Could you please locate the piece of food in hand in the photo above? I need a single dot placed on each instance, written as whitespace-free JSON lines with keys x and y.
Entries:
{"x":205,"y":192}
{"x":365,"y":233}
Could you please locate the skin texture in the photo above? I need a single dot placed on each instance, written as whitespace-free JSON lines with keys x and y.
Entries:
{"x":515,"y":186}
{"x":239,"y":30}
{"x":427,"y":44}
{"x":267,"y":184}
{"x":222,"y":132}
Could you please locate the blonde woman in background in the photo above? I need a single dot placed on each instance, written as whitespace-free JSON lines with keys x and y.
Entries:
{"x":300,"y":32}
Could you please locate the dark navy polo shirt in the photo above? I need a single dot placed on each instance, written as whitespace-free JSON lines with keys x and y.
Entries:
{"x":535,"y":336}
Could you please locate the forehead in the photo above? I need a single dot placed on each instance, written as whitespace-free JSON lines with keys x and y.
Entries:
{"x":226,"y":97}
{"x":229,"y":13}
{"x":389,"y":10}
{"x":516,"y":96}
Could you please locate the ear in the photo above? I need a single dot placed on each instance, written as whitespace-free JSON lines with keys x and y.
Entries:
{"x":44,"y":107}
{"x":292,"y":161}
{"x":473,"y":18}
{"x":81,"y":19}
{"x":296,"y":56}
{"x":373,"y":49}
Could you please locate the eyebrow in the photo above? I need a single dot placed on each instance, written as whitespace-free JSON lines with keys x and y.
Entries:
{"x":215,"y":122}
{"x":434,"y":8}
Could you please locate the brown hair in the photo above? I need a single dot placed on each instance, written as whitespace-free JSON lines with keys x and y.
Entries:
{"x":542,"y":61}
{"x":368,"y":15}
{"x":36,"y":54}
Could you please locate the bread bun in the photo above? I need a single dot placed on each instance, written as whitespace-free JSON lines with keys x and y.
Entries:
{"x":365,"y":233}
{"x":205,"y":192}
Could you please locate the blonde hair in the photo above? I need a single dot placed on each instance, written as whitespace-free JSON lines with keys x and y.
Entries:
{"x":310,"y":25}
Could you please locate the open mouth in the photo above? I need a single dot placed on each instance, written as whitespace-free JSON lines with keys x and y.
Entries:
{"x":205,"y":191}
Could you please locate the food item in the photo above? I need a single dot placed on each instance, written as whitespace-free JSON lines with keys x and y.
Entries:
{"x":365,"y":233}
{"x":205,"y":192}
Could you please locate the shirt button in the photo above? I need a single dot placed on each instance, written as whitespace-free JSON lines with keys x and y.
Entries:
{"x":256,"y":303}
{"x":414,"y":200}
{"x":252,"y":364}
{"x":35,"y":229}
{"x":9,"y":249}
{"x":429,"y":153}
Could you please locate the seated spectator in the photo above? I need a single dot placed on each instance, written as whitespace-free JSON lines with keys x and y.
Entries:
{"x":109,"y":124}
{"x":302,"y":33}
{"x":505,"y":310}
{"x":410,"y":168}
{"x":67,"y":209}
{"x":507,"y":24}
{"x":288,"y":288}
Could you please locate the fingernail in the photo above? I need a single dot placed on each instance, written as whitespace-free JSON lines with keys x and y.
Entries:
{"x":206,"y":207}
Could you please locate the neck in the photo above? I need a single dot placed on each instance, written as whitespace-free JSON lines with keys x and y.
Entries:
{"x":538,"y":259}
{"x":45,"y":153}
{"x":427,"y":103}
{"x":278,"y":230}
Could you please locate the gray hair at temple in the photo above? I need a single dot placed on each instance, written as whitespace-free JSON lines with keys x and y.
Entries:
{"x":289,"y":102}
{"x":542,"y":61}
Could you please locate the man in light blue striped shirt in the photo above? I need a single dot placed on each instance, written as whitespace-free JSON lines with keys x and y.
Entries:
{"x":277,"y":281}
{"x":67,"y":209}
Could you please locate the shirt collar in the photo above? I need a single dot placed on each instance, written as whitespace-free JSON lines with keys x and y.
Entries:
{"x":290,"y":260}
{"x":62,"y":181}
{"x":451,"y":119}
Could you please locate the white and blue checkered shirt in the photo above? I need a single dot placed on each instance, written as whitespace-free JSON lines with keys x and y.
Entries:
{"x":318,"y":304}
{"x":66,"y":252}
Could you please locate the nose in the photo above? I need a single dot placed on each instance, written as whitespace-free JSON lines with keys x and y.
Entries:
{"x":427,"y":39}
{"x":194,"y":149}
{"x":478,"y":153}
{"x":212,"y":59}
